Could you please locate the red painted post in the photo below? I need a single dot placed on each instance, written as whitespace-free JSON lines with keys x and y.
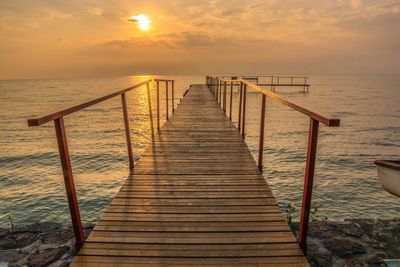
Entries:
{"x":308,"y":183}
{"x":240,"y":106}
{"x":150,"y":108}
{"x":214,"y":88}
{"x":158,"y":104}
{"x":261,"y":141}
{"x":220,"y":92}
{"x":173,"y":95}
{"x":166,"y":100}
{"x":127,"y":132}
{"x":224,"y":105}
{"x":69,"y":182}
{"x":244,"y":111}
{"x":230,"y":104}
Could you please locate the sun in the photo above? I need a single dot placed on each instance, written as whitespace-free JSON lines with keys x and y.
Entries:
{"x":142,"y":21}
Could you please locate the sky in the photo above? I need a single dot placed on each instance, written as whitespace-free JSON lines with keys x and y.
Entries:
{"x":60,"y":38}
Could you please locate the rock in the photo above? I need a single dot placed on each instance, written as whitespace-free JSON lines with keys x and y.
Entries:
{"x":4,"y":232}
{"x":47,"y":256}
{"x":17,"y":240}
{"x":351,"y":229}
{"x":323,"y":230}
{"x":344,"y":247}
{"x":58,"y":237}
{"x":12,"y":256}
{"x":318,"y":254}
{"x":376,"y":257}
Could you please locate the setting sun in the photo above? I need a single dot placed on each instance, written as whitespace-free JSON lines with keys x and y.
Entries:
{"x":142,"y":21}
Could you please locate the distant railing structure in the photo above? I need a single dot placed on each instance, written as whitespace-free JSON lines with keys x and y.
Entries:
{"x":219,"y":88}
{"x":274,"y":81}
{"x":58,"y":119}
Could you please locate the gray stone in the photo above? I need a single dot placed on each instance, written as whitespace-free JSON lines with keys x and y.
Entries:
{"x":46,"y":257}
{"x":318,"y":255}
{"x":376,"y":257}
{"x":11,"y":256}
{"x":351,"y":229}
{"x":58,"y":237}
{"x":323,"y":230}
{"x":4,"y":232}
{"x":17,"y":240}
{"x":344,"y":247}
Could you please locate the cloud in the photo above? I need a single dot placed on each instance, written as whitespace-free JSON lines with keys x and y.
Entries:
{"x":54,"y":14}
{"x":95,"y":11}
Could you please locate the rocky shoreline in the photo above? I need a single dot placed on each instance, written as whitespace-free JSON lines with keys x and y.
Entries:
{"x":358,"y":242}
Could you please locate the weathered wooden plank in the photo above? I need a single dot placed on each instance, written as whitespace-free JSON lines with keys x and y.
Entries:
{"x":195,"y":210}
{"x":191,"y":261}
{"x":154,"y":252}
{"x":193,"y":202}
{"x":121,"y":226}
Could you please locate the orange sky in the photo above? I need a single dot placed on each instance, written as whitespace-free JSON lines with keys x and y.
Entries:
{"x":40,"y":39}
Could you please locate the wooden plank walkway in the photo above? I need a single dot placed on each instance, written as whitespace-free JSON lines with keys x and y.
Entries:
{"x":196,"y":198}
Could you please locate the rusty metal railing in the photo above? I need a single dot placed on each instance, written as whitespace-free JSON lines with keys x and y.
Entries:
{"x":58,"y":119}
{"x":273,"y":81}
{"x":218,"y":87}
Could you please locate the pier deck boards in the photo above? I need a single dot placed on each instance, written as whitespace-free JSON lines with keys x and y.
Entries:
{"x":196,"y":198}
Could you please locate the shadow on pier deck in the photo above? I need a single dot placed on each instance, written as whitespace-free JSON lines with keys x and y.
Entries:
{"x":197,"y":196}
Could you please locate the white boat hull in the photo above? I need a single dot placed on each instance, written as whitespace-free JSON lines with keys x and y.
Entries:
{"x":389,"y":176}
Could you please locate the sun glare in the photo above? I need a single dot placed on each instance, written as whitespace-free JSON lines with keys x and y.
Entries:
{"x":142,"y":21}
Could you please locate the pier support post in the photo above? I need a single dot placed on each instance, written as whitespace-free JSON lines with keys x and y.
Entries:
{"x":158,"y":104}
{"x":244,"y":111}
{"x":261,"y":141}
{"x":127,"y":132}
{"x":308,"y":183}
{"x":69,"y":182}
{"x":173,"y":95}
{"x":166,"y":100}
{"x":224,"y":104}
{"x":240,"y":106}
{"x":150,"y":109}
{"x":230,"y":102}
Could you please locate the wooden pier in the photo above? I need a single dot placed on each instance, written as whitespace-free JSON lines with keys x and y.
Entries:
{"x":196,"y":197}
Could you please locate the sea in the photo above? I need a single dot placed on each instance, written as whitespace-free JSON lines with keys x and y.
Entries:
{"x":346,"y":182}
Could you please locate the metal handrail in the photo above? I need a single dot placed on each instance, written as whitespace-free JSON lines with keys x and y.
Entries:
{"x":218,"y":86}
{"x":323,"y":118}
{"x":58,"y":118}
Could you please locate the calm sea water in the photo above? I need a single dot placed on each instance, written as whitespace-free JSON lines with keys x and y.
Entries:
{"x":346,"y":184}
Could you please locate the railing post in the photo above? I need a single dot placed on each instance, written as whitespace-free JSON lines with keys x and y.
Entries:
{"x":308,"y":183}
{"x":240,"y":106}
{"x":261,"y":141}
{"x":220,"y":91}
{"x":150,"y":108}
{"x":272,"y":84}
{"x":213,"y":87}
{"x":69,"y":182}
{"x":224,"y":105}
{"x":127,"y":132}
{"x":158,"y":103}
{"x":216,"y":89}
{"x":230,"y":103}
{"x":166,"y":100}
{"x":244,"y":111}
{"x":173,"y":95}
